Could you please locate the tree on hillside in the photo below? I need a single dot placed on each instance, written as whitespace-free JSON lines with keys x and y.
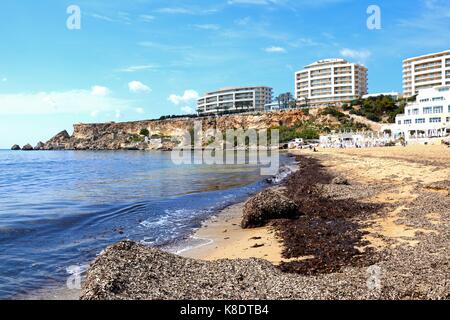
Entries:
{"x":378,"y":109}
{"x":284,"y":100}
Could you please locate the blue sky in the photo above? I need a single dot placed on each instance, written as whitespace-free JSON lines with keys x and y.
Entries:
{"x":140,"y":59}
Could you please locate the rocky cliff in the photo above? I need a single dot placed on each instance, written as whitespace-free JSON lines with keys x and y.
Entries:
{"x":166,"y":134}
{"x":163,"y":134}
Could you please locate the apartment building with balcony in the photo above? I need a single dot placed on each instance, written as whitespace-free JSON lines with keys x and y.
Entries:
{"x":330,"y":81}
{"x":234,"y":100}
{"x":425,"y":72}
{"x":427,"y":117}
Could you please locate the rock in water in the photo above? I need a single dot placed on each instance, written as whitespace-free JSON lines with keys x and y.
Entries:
{"x":267,"y":205}
{"x":27,"y":147}
{"x":58,"y":142}
{"x":282,"y":174}
{"x":15,"y":147}
{"x":39,"y":146}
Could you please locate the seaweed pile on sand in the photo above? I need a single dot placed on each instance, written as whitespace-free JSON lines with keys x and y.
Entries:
{"x":326,"y":236}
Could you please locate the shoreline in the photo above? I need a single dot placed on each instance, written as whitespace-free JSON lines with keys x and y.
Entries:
{"x":405,"y":235}
{"x":403,"y":230}
{"x":221,"y":236}
{"x":61,"y":292}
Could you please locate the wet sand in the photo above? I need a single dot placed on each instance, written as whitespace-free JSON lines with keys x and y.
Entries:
{"x":223,"y":238}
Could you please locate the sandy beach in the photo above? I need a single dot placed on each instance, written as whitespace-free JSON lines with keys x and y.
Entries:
{"x":373,"y":224}
{"x":225,"y":239}
{"x":402,"y":168}
{"x":408,"y":186}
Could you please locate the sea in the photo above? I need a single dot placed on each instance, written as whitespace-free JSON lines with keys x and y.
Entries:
{"x":60,"y":209}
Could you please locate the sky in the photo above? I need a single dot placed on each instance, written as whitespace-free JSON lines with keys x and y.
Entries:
{"x":141,"y":59}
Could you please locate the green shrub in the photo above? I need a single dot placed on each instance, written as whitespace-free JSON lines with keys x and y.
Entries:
{"x":136,"y":138}
{"x":373,"y":117}
{"x":144,"y":132}
{"x":377,"y":108}
{"x":308,"y":134}
{"x":333,"y":112}
{"x":347,"y":107}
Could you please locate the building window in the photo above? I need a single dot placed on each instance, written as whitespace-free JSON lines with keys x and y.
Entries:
{"x":407,"y":121}
{"x":399,"y":122}
{"x":438,"y":109}
{"x":448,"y":119}
{"x":421,"y":120}
{"x":427,"y":110}
{"x":435,"y":120}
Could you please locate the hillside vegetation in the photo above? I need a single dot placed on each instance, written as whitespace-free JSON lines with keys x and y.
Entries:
{"x":382,"y":109}
{"x":321,"y":121}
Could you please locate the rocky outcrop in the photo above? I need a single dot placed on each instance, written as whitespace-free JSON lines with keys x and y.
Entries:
{"x":163,"y":134}
{"x":58,"y":142}
{"x":167,"y":134}
{"x":39,"y":146}
{"x":27,"y":147}
{"x":15,"y":147}
{"x":267,"y":205}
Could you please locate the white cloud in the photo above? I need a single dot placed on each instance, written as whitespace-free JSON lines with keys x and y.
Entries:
{"x":4,"y":79}
{"x":118,"y":114}
{"x":207,"y":26}
{"x":252,"y":2}
{"x":99,"y":91}
{"x":304,"y":42}
{"x":275,"y":50}
{"x":289,"y":4}
{"x":243,"y":21}
{"x":175,"y":10}
{"x":187,"y":96}
{"x":146,"y":17}
{"x":137,"y":86}
{"x":139,"y":110}
{"x":360,"y":55}
{"x":200,"y":10}
{"x":124,"y":17}
{"x":163,"y":47}
{"x":188,"y":110}
{"x":120,"y":17}
{"x":66,"y":102}
{"x":137,"y":68}
{"x":101,"y":17}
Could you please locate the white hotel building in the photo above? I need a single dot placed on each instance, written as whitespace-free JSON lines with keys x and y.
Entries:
{"x":425,"y":72}
{"x":428,"y":117}
{"x":330,"y":81}
{"x":234,"y":100}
